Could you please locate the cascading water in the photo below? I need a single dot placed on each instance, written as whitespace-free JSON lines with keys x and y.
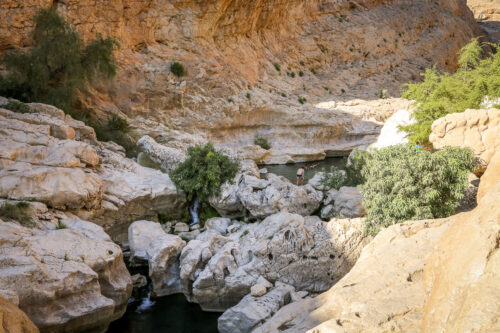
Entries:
{"x":194,"y":210}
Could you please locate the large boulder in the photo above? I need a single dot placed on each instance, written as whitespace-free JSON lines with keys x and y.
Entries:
{"x":13,"y":320}
{"x":217,"y":271}
{"x":384,"y":291}
{"x":258,"y":197}
{"x":251,"y":311}
{"x":349,"y":202}
{"x":462,"y":276}
{"x":72,"y":279}
{"x":477,"y":129}
{"x":150,"y":245}
{"x":168,"y":158}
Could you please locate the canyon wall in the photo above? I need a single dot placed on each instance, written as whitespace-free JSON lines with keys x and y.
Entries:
{"x":337,"y":50}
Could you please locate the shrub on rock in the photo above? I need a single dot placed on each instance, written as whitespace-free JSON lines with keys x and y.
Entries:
{"x":405,"y":184}
{"x":203,"y":172}
{"x":177,"y":69}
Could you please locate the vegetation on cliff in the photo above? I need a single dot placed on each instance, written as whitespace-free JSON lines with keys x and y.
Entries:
{"x":442,"y":93}
{"x":203,"y":172}
{"x":58,"y":65}
{"x":402,"y":183}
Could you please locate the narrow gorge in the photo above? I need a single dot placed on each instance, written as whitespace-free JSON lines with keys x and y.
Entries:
{"x":249,"y":166}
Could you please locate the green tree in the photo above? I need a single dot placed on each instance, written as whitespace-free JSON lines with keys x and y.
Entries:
{"x":58,"y":65}
{"x":404,"y":184}
{"x":203,"y":172}
{"x":442,"y":93}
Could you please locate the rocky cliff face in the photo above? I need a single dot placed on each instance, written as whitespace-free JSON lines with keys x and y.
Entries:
{"x":336,"y":50}
{"x":14,"y":320}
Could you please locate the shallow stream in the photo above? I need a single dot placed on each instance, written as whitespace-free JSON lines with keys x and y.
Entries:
{"x":289,"y":171}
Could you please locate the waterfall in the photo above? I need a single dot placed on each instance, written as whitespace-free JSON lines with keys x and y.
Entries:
{"x":194,"y":209}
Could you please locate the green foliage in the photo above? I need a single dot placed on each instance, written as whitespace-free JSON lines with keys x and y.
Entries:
{"x":354,"y":169}
{"x":207,"y":212}
{"x":302,"y":100}
{"x":313,"y":70}
{"x":60,"y":225}
{"x":163,"y":218}
{"x":334,"y":178}
{"x":262,"y":142}
{"x":16,"y":106}
{"x":301,"y":63}
{"x":58,"y":65}
{"x":405,"y":184}
{"x":383,"y":94}
{"x":249,"y":96}
{"x":342,"y":90}
{"x":443,"y":93}
{"x":301,"y":73}
{"x":116,"y":130}
{"x":203,"y":172}
{"x":17,"y":212}
{"x":283,"y":94}
{"x":230,"y":100}
{"x":117,"y":123}
{"x":177,"y":69}
{"x":277,"y":66}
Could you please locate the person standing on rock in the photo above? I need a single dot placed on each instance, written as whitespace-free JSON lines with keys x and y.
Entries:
{"x":301,"y":173}
{"x":300,"y":176}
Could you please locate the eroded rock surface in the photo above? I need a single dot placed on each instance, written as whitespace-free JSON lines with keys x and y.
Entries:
{"x":251,"y":195}
{"x":72,"y":279}
{"x":13,"y":320}
{"x":42,"y":159}
{"x":477,"y":129}
{"x":217,"y":271}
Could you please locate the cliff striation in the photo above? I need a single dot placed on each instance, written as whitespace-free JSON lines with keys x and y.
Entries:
{"x":327,"y":50}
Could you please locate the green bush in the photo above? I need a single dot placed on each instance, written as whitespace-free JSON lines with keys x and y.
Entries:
{"x":207,"y":212}
{"x":116,"y":130}
{"x":354,"y":169}
{"x":302,"y":100}
{"x":301,"y":73}
{"x":58,"y":65}
{"x":383,"y":94}
{"x":334,"y":178}
{"x":16,"y":106}
{"x":177,"y":69}
{"x":261,"y":141}
{"x":117,"y":123}
{"x":277,"y":67}
{"x":60,"y":225}
{"x":405,"y":184}
{"x":249,"y":96}
{"x":16,"y":212}
{"x":203,"y":172}
{"x":442,"y":93}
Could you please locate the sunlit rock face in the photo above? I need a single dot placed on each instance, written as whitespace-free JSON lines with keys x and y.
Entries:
{"x":327,"y":51}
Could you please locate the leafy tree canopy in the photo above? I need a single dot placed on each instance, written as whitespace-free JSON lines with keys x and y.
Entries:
{"x":443,"y":93}
{"x":404,"y":184}
{"x":203,"y":172}
{"x":57,"y":65}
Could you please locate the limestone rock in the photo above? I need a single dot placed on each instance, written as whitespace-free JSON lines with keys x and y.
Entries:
{"x":461,"y":276}
{"x":64,"y":277}
{"x":139,"y":281}
{"x":163,"y":257}
{"x":384,"y":291}
{"x":140,"y":236}
{"x":264,"y":197}
{"x":258,"y":290}
{"x":252,"y":311}
{"x":327,"y":212}
{"x":217,"y":271}
{"x":13,"y":320}
{"x":181,"y":227}
{"x":167,"y":157}
{"x":477,"y":129}
{"x":218,"y":224}
{"x":150,"y":244}
{"x":348,"y":202}
{"x":490,"y":178}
